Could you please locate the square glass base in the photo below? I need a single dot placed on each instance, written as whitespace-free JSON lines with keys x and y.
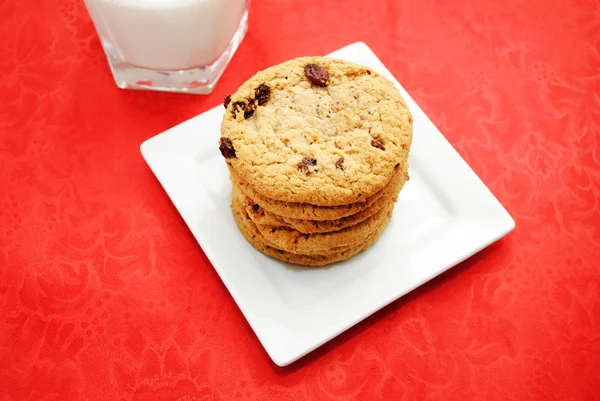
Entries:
{"x":199,"y":80}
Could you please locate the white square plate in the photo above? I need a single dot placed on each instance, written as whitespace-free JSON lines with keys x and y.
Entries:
{"x":444,"y":215}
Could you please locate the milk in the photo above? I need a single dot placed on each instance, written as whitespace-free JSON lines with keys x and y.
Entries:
{"x":166,"y":34}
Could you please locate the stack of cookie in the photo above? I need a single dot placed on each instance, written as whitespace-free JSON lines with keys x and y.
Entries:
{"x":317,"y":150}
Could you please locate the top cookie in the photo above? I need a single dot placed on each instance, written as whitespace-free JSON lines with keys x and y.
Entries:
{"x":316,"y":130}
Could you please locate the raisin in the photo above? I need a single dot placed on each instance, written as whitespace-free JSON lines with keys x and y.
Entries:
{"x":340,"y":163}
{"x":226,"y":148}
{"x":262,"y":94}
{"x":396,"y":166}
{"x":316,"y":74}
{"x":227,"y":100}
{"x":378,"y":143}
{"x":369,"y":72}
{"x":247,"y":108}
{"x":236,"y":105}
{"x":305,"y":164}
{"x":255,"y":207}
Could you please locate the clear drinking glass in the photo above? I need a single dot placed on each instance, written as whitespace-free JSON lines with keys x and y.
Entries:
{"x":169,"y":45}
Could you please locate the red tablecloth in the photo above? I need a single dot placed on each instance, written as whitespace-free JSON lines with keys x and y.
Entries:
{"x":105,"y":294}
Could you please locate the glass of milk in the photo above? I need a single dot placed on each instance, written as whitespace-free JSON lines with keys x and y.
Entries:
{"x":169,"y":45}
